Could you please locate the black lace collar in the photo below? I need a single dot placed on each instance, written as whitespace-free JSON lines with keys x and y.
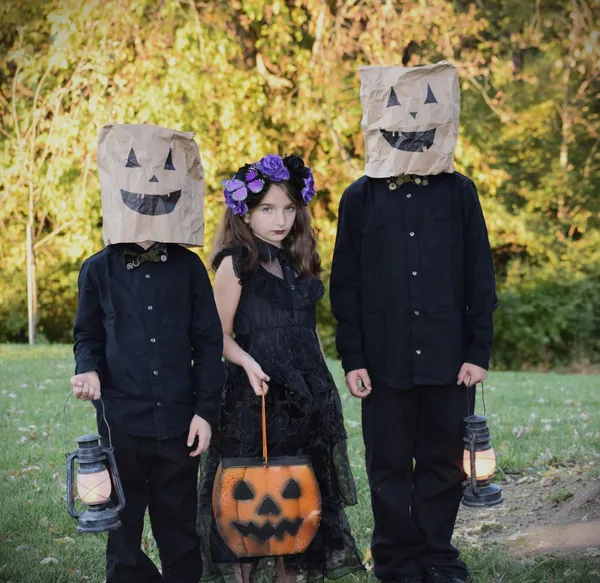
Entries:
{"x":268,"y":252}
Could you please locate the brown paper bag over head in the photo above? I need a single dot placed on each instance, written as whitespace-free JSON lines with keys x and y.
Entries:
{"x":152,"y":185}
{"x":410,"y":119}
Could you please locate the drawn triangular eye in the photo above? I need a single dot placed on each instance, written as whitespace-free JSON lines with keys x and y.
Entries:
{"x":291,"y":490}
{"x":132,"y":160}
{"x":430,"y":96}
{"x":392,"y":99}
{"x":169,"y":162}
{"x":242,"y":491}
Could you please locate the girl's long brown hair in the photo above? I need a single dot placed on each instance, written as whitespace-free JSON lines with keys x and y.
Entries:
{"x":300,"y":242}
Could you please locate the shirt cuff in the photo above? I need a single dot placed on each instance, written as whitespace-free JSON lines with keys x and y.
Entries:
{"x":353,"y":361}
{"x":478,"y":356}
{"x":211,"y":416}
{"x":82,"y":366}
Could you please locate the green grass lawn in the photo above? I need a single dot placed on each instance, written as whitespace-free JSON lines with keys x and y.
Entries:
{"x":537,"y":421}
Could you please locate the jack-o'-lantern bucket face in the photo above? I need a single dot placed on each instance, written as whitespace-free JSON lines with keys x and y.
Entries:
{"x":265,"y":510}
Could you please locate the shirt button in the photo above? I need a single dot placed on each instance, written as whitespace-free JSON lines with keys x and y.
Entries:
{"x":153,"y":340}
{"x":147,"y":276}
{"x":158,"y":404}
{"x":414,"y":273}
{"x":416,"y":312}
{"x":287,"y":267}
{"x":408,"y":195}
{"x":412,"y":234}
{"x":292,"y":287}
{"x":418,"y":351}
{"x":149,"y":307}
{"x":155,"y":373}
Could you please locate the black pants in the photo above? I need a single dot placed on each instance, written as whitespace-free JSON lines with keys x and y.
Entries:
{"x":158,"y":475}
{"x":415,"y":509}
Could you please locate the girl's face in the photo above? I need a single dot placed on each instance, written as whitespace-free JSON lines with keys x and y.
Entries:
{"x":274,"y":216}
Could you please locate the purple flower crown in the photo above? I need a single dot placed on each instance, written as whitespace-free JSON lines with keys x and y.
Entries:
{"x":254,"y":179}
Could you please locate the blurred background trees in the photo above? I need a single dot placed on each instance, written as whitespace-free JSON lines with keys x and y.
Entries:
{"x":256,"y":76}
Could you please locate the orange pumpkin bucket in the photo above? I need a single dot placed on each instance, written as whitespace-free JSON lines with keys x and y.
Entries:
{"x":266,"y":507}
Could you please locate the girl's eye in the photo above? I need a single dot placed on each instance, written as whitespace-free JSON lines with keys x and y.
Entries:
{"x":290,"y":209}
{"x":266,"y":209}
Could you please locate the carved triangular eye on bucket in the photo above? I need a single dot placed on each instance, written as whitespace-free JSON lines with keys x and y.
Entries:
{"x":243,"y":491}
{"x":392,"y":99}
{"x":291,"y":490}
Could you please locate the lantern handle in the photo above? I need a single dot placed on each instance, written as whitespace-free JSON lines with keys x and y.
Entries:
{"x":116,"y":480}
{"x":472,"y":464}
{"x":66,"y":422}
{"x":475,"y":400}
{"x":264,"y":430}
{"x":71,"y":487}
{"x":483,"y":398}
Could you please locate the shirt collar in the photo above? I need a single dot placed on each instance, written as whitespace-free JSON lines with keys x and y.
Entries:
{"x":120,"y":247}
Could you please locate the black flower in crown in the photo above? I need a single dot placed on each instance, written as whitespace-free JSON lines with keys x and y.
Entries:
{"x":295,"y":165}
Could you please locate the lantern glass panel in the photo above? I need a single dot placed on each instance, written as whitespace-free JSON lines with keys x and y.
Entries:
{"x":485,"y":463}
{"x":94,"y":488}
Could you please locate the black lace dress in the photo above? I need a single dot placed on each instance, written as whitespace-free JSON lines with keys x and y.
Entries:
{"x":276,"y":324}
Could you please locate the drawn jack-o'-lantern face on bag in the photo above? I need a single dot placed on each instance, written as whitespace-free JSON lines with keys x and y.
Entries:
{"x":410,"y":119}
{"x":152,"y":185}
{"x":265,"y":510}
{"x":159,"y":196}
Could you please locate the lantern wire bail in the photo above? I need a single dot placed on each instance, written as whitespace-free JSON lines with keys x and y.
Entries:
{"x":66,"y":422}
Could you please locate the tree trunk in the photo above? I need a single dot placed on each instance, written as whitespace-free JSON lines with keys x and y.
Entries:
{"x":32,"y":310}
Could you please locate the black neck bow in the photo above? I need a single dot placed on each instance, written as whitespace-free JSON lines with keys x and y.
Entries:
{"x":157,"y":253}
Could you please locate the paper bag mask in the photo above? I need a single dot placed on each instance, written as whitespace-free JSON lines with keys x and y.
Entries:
{"x":152,"y":185}
{"x":410,"y":119}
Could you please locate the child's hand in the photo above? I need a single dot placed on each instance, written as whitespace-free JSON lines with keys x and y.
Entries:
{"x":258,"y":379}
{"x":471,"y":374}
{"x":86,"y":386}
{"x":359,"y":383}
{"x":201,"y":429}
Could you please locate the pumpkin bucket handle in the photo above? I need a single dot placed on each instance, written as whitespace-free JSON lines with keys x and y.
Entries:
{"x":264,"y":431}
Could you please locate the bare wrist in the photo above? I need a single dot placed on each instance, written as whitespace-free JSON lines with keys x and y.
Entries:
{"x":247,"y":360}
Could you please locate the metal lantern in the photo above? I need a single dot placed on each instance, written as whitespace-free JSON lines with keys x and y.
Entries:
{"x":479,"y":463}
{"x":96,"y":479}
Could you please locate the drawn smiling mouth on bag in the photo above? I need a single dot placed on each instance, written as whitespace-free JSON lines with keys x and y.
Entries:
{"x":151,"y":204}
{"x":266,"y":531}
{"x":409,"y":141}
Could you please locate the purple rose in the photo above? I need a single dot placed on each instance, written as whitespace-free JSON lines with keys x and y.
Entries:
{"x":272,"y":166}
{"x":309,"y":187}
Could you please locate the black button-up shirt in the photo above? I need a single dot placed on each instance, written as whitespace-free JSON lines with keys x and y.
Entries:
{"x":412,"y":280}
{"x":154,"y":336}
